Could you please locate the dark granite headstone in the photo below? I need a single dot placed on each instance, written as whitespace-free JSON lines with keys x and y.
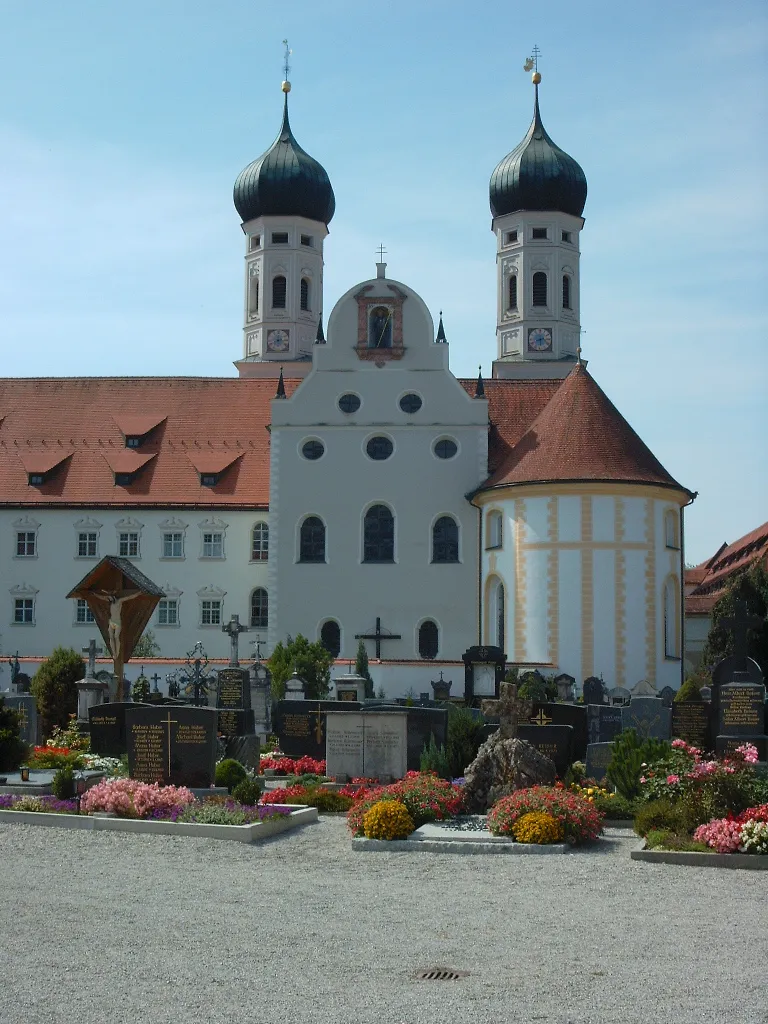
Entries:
{"x":423,"y":724}
{"x":594,"y":691}
{"x":725,"y":671}
{"x":236,"y":721}
{"x":667,"y":695}
{"x":107,"y":728}
{"x":603,"y":723}
{"x":574,"y":715}
{"x":555,"y":741}
{"x":648,"y":717}
{"x":300,"y":725}
{"x":233,"y":688}
{"x":692,"y":722}
{"x":26,"y":707}
{"x":741,"y":716}
{"x":598,"y":758}
{"x":171,"y":745}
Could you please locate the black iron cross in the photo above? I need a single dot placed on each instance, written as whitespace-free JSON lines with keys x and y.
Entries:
{"x":738,"y":625}
{"x":155,"y":679}
{"x":378,"y":636}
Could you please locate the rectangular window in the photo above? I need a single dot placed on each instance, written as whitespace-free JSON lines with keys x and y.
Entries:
{"x":132,"y":442}
{"x":168,"y":612}
{"x":36,"y":479}
{"x":210,"y":613}
{"x":83,"y":613}
{"x":254,"y":242}
{"x":129,"y":545}
{"x":307,"y":240}
{"x":279,"y":238}
{"x":213,"y":545}
{"x":566,"y":236}
{"x":173,"y":545}
{"x":25,"y":544}
{"x":510,"y":237}
{"x":539,"y":233}
{"x":209,"y":479}
{"x":24,"y":610}
{"x":86,"y":545}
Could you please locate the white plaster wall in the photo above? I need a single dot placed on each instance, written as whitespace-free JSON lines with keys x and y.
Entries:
{"x":604,"y":602}
{"x":56,"y":569}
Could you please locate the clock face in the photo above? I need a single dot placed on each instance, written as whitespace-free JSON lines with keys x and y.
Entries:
{"x":277,"y":341}
{"x":539,"y":339}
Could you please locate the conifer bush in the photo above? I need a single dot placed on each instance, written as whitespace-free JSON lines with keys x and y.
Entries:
{"x":54,"y":688}
{"x":13,"y":750}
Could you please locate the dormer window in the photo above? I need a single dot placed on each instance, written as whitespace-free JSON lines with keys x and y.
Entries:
{"x":279,"y":238}
{"x":209,"y":479}
{"x":132,"y":442}
{"x":124,"y":479}
{"x":539,"y":234}
{"x":36,"y":479}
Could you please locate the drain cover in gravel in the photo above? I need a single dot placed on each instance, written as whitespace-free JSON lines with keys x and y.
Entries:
{"x":440,"y":974}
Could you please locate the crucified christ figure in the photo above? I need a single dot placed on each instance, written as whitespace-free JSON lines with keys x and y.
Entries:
{"x":116,"y":598}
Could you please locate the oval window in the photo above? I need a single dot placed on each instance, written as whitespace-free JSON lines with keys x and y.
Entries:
{"x":445,"y":448}
{"x":312,"y":450}
{"x":379,"y":448}
{"x":410,"y":403}
{"x":349,"y":403}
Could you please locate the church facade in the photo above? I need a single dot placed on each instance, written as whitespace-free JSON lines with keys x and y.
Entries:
{"x":346,"y":484}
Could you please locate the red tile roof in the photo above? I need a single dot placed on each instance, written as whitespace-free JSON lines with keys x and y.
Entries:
{"x":580,"y":436}
{"x":712,"y":577}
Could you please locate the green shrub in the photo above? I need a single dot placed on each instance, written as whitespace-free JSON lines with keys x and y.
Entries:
{"x":229,"y":772}
{"x":577,"y":772}
{"x":309,"y":780}
{"x":247,"y":792}
{"x":628,"y":755}
{"x":680,"y":843}
{"x":212,"y":814}
{"x":690,"y":690}
{"x":63,"y":783}
{"x":13,"y":751}
{"x":435,"y":759}
{"x":326,"y":800}
{"x":618,"y":807}
{"x":655,"y":815}
{"x":140,"y":690}
{"x":532,"y":687}
{"x":54,"y":688}
{"x":465,"y":734}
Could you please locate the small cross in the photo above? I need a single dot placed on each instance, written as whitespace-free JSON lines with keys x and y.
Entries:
{"x":155,"y":678}
{"x":540,"y":719}
{"x":319,"y":725}
{"x":378,"y":636}
{"x":509,"y":709}
{"x":739,"y":625}
{"x":92,"y":650}
{"x":234,"y":629}
{"x":381,"y":250}
{"x":169,"y":722}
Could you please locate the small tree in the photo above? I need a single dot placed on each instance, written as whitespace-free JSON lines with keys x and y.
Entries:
{"x":147,"y":646}
{"x":750,"y":587}
{"x":361,"y":668}
{"x":13,"y":750}
{"x":310,"y":660}
{"x":54,"y":688}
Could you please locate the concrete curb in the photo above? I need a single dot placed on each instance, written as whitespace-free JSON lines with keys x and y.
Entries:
{"x":361,"y":845}
{"x":253,"y":833}
{"x":738,"y":861}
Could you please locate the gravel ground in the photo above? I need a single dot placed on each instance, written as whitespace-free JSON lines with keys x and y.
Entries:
{"x":108,"y":928}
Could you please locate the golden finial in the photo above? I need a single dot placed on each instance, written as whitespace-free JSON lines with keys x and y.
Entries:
{"x":532,"y":64}
{"x":286,"y":86}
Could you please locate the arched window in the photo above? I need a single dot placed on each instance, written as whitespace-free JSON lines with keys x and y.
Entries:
{"x":253,"y":291}
{"x":279,"y":289}
{"x":671,"y":600}
{"x":260,"y":543}
{"x":494,"y":526}
{"x":312,"y":540}
{"x":304,"y":293}
{"x":259,"y":608}
{"x":539,"y":288}
{"x":428,"y":639}
{"x":379,"y":535}
{"x":445,"y":540}
{"x":670,"y":529}
{"x":330,"y":637}
{"x":512,"y":303}
{"x":495,"y":616}
{"x":566,"y":292}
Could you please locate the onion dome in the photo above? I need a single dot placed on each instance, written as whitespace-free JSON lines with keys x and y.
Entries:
{"x":537,"y":175}
{"x":284,"y":181}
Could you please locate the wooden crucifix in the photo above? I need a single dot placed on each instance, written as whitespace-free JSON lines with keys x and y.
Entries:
{"x":510,"y":709}
{"x":738,"y":625}
{"x":234,"y":628}
{"x":378,"y":636}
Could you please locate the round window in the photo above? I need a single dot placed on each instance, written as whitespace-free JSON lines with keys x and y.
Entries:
{"x":445,"y":448}
{"x":379,"y":448}
{"x":312,"y":450}
{"x":410,"y":403}
{"x":349,"y":402}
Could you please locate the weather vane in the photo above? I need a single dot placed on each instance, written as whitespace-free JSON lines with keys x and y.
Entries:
{"x":532,"y":64}
{"x":381,"y":250}
{"x":286,"y":64}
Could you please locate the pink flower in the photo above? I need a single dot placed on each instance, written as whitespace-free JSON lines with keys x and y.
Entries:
{"x":748,"y":752}
{"x":642,"y":778}
{"x":672,"y":779}
{"x":722,"y":835}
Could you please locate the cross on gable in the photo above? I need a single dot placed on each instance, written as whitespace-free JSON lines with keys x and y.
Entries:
{"x":509,"y":709}
{"x":378,"y":636}
{"x":738,"y":625}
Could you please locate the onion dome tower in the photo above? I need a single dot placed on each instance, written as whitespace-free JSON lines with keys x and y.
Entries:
{"x":285,"y":201}
{"x":537,"y":195}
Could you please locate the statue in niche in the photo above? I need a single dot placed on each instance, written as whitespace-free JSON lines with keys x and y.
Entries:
{"x":380,"y":327}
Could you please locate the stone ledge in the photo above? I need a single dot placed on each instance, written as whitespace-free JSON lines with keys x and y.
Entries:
{"x":481,"y":846}
{"x":253,"y":833}
{"x":738,"y":861}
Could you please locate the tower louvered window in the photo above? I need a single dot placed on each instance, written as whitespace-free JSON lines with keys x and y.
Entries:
{"x":279,"y":289}
{"x":539,"y":288}
{"x":566,"y":292}
{"x":304,"y":293}
{"x":512,"y":301}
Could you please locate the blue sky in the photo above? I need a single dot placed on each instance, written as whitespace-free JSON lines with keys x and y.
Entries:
{"x":123,"y":126}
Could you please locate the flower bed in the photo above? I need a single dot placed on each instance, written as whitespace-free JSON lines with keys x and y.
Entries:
{"x":291,"y":766}
{"x":745,"y":833}
{"x":578,"y":818}
{"x":424,"y":795}
{"x":45,"y":804}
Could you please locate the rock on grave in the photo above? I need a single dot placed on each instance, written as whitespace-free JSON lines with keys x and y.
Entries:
{"x":503,"y":766}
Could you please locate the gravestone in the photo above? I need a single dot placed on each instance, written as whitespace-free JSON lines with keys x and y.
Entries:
{"x":648,"y":717}
{"x":554,"y":741}
{"x":23,"y":682}
{"x":565,"y":685}
{"x":692,"y":722}
{"x":171,"y":745}
{"x":26,"y":707}
{"x":598,"y":758}
{"x":300,"y":725}
{"x":741,"y":716}
{"x":667,"y":695}
{"x":424,"y":723}
{"x":233,"y":699}
{"x":350,"y":687}
{"x":574,"y":715}
{"x":370,"y":744}
{"x":619,"y":696}
{"x":261,"y":705}
{"x":107,"y":729}
{"x":603,"y":723}
{"x":594,"y":691}
{"x":644,"y":688}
